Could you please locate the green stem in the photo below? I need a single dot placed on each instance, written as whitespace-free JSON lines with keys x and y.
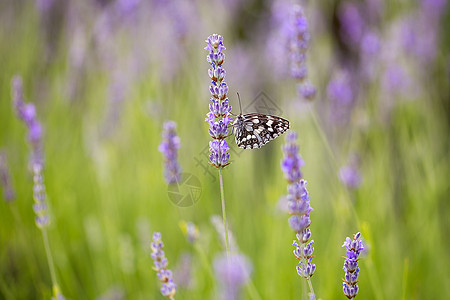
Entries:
{"x":224,"y":214}
{"x":50,"y":260}
{"x":310,"y":285}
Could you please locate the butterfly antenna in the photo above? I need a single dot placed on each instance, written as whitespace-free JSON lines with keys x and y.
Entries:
{"x":239,"y":98}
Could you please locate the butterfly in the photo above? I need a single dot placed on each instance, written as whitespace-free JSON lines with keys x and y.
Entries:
{"x":254,"y":130}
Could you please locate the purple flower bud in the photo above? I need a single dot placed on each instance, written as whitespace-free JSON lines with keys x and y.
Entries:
{"x":307,"y":90}
{"x":169,"y":148}
{"x":160,"y":262}
{"x":27,"y":113}
{"x":292,"y":161}
{"x":352,"y":23}
{"x":354,"y":247}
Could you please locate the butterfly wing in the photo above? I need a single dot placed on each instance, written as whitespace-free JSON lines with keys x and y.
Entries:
{"x":256,"y":130}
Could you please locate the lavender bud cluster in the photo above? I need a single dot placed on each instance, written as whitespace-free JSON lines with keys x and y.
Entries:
{"x":169,"y":148}
{"x":160,"y":262}
{"x":354,"y":248}
{"x":39,"y":196}
{"x":218,"y":116}
{"x":27,"y":113}
{"x":298,"y":205}
{"x":298,"y":46}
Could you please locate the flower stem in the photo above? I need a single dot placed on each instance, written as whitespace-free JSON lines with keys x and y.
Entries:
{"x":50,"y":260}
{"x":224,"y":214}
{"x":310,"y":286}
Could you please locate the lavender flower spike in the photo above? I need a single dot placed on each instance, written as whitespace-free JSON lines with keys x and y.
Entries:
{"x":232,"y":272}
{"x":298,"y":46}
{"x":27,"y":113}
{"x":354,"y":248}
{"x":160,"y":262}
{"x":169,"y":148}
{"x":218,"y":116}
{"x":299,"y":209}
{"x":292,"y":161}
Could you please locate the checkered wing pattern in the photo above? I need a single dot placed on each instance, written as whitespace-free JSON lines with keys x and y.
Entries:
{"x":255,"y":130}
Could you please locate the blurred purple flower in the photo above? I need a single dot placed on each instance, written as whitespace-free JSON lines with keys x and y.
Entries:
{"x":43,"y":6}
{"x":351,"y":269}
{"x":299,"y":43}
{"x":232,"y":272}
{"x":169,"y":148}
{"x":395,"y":79}
{"x":350,"y":176}
{"x":27,"y":113}
{"x":190,"y":231}
{"x":341,"y":96}
{"x":352,"y":23}
{"x":5,"y":179}
{"x":183,"y":272}
{"x":160,"y":262}
{"x":307,"y":90}
{"x":292,"y":161}
{"x":287,"y":45}
{"x":219,"y":116}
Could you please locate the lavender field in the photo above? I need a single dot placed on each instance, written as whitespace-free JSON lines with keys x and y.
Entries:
{"x":261,"y":149}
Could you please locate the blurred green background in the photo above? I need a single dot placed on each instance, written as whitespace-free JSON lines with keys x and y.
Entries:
{"x":105,"y":75}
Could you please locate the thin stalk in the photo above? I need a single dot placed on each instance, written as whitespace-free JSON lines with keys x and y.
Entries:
{"x":310,"y":285}
{"x":50,"y":260}
{"x":224,"y":214}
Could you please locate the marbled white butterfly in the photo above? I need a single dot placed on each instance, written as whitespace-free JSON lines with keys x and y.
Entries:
{"x":255,"y":130}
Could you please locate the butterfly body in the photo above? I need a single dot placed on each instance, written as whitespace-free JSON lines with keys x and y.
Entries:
{"x":255,"y":130}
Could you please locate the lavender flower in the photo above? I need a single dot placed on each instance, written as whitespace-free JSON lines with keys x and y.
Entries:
{"x":349,"y":174}
{"x":298,"y":45}
{"x":5,"y":179}
{"x":292,"y":161}
{"x":341,"y":96}
{"x":169,"y":148}
{"x":354,"y":248}
{"x":190,"y":231}
{"x":219,"y":109}
{"x":299,"y":208}
{"x":39,"y":196}
{"x":352,"y":23}
{"x":232,"y":272}
{"x":27,"y":113}
{"x":160,"y":261}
